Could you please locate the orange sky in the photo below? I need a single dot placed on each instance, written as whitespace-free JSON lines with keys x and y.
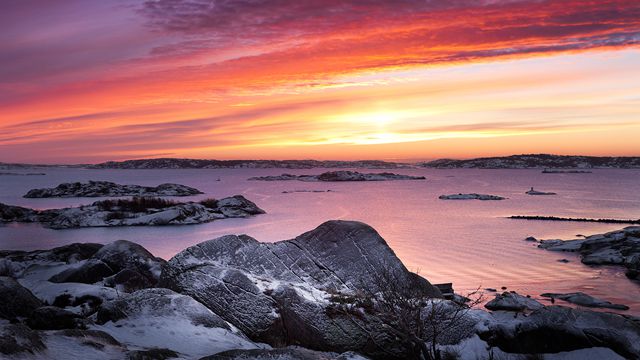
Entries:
{"x":89,"y":81}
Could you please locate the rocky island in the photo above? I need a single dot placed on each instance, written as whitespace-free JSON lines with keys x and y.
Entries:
{"x":137,"y":211}
{"x":472,"y":196}
{"x":110,"y":189}
{"x":621,"y":247}
{"x":322,"y":295}
{"x":532,"y":191}
{"x":339,"y":176}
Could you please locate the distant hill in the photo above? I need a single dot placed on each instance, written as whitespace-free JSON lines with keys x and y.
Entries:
{"x":537,"y":161}
{"x":172,"y":163}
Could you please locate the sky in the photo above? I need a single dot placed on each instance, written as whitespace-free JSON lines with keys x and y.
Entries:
{"x":85,"y":81}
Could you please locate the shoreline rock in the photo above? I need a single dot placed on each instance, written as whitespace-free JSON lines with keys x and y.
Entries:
{"x":110,"y":189}
{"x":338,"y":176}
{"x":620,"y":247}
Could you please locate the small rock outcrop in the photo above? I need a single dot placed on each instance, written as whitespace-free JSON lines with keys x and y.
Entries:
{"x":582,"y":299}
{"x":110,"y":189}
{"x":471,"y":196}
{"x":532,"y":191}
{"x":138,"y":211}
{"x":342,"y":175}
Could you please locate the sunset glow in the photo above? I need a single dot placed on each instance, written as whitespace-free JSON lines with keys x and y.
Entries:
{"x":90,"y":81}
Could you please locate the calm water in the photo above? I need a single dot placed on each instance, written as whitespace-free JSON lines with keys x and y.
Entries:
{"x":469,"y":243}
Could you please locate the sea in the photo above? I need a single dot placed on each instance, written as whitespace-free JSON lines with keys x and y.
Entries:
{"x":470,"y":243}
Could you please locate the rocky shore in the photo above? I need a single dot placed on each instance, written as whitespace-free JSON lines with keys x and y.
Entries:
{"x":339,"y":176}
{"x":324,"y":295}
{"x":137,"y":211}
{"x":110,"y":189}
{"x":621,"y":247}
{"x":472,"y":196}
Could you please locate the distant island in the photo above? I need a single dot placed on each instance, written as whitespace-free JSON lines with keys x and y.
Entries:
{"x":335,"y":176}
{"x":525,"y":161}
{"x":538,"y":161}
{"x":171,"y":163}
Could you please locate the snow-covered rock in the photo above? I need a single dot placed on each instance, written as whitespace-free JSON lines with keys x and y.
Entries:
{"x":511,"y":301}
{"x":110,"y":189}
{"x":471,"y":196}
{"x":582,"y":299}
{"x":342,"y":175}
{"x":161,"y":318}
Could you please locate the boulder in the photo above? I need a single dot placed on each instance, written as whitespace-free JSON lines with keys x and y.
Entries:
{"x":90,"y":272}
{"x":123,"y":254}
{"x":15,"y":300}
{"x":129,"y":281}
{"x":278,"y":292}
{"x":54,"y":318}
{"x":511,"y":301}
{"x":16,"y":339}
{"x":553,"y":329}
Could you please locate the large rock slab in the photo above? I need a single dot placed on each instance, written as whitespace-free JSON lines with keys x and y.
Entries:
{"x":110,"y":189}
{"x":279,"y":292}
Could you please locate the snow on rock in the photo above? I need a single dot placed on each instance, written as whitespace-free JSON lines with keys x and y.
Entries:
{"x":110,"y":189}
{"x":472,"y":196}
{"x":582,"y":299}
{"x":161,"y":318}
{"x":341,"y":175}
{"x":279,"y":292}
{"x":135,"y":212}
{"x":511,"y":301}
